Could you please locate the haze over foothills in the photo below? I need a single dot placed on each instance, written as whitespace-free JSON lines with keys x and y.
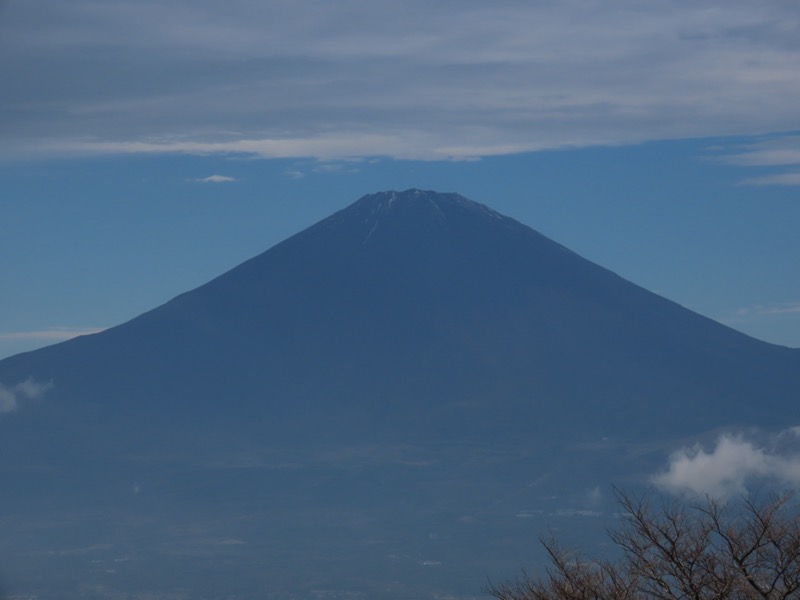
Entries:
{"x":149,"y":146}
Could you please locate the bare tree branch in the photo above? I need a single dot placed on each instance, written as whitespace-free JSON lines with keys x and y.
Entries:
{"x":743,"y":551}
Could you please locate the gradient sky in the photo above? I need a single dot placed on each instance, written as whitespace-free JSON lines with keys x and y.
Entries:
{"x":146,"y":147}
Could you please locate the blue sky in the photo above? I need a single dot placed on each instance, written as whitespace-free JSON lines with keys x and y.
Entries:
{"x":146,"y":147}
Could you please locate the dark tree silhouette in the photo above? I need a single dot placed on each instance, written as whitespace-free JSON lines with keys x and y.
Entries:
{"x":745,"y":550}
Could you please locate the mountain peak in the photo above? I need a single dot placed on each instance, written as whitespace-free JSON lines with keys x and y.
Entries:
{"x":415,"y":210}
{"x":415,"y":198}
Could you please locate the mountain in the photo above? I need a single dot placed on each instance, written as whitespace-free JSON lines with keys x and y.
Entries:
{"x":410,"y":328}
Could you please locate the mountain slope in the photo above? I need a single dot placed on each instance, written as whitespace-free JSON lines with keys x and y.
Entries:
{"x":419,"y":313}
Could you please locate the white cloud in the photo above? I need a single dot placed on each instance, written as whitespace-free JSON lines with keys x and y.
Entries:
{"x":214,"y":179}
{"x":731,"y":466}
{"x":409,"y":80}
{"x":11,"y":397}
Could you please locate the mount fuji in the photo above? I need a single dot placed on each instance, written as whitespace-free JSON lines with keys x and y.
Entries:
{"x":390,"y":404}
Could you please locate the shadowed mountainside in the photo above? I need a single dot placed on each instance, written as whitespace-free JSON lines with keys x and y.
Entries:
{"x":418,"y":313}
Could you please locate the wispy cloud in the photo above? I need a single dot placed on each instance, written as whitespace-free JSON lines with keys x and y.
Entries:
{"x":734,"y":463}
{"x":214,"y":179}
{"x":779,"y":309}
{"x":771,"y":153}
{"x":594,"y":496}
{"x":408,"y":80}
{"x":294,"y":174}
{"x":761,"y":310}
{"x":773,"y":322}
{"x":55,"y":334}
{"x":11,"y":397}
{"x":571,"y":512}
{"x":324,"y":168}
{"x":774,"y":179}
{"x":337,"y":167}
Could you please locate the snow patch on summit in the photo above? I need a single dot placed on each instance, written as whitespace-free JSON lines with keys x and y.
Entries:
{"x":375,"y":208}
{"x":371,"y":231}
{"x":384,"y":203}
{"x":436,"y":206}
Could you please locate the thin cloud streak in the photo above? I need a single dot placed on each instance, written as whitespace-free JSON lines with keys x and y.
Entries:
{"x":785,"y":308}
{"x":775,"y":179}
{"x":55,"y":334}
{"x":781,"y":151}
{"x":412,"y":81}
{"x":214,"y":179}
{"x":782,"y":309}
{"x":774,"y":151}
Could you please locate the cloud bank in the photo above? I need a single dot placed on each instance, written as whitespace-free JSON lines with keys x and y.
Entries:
{"x":734,"y":464}
{"x":415,"y":79}
{"x":11,"y":397}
